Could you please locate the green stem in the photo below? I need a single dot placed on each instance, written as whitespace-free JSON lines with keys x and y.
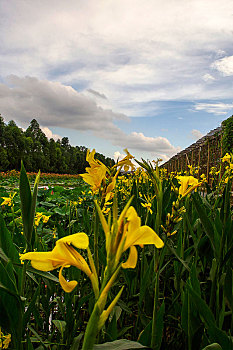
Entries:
{"x":69,"y":219}
{"x":159,"y":212}
{"x":13,"y":216}
{"x":96,"y":239}
{"x":213,"y":292}
{"x":189,"y":326}
{"x":93,"y":323}
{"x":23,"y":278}
{"x":92,"y":329}
{"x":225,"y":215}
{"x":156,"y":301}
{"x":156,"y":261}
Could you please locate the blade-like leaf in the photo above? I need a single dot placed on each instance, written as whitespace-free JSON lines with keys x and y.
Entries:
{"x":206,"y":222}
{"x":213,"y":346}
{"x":26,"y":201}
{"x":6,"y":243}
{"x":121,"y":344}
{"x":61,"y":326}
{"x":203,"y":309}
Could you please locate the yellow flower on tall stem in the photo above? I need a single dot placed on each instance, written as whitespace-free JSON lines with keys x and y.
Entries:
{"x":95,"y":173}
{"x":63,"y":255}
{"x":134,"y":234}
{"x":226,"y":158}
{"x":8,"y":201}
{"x":187,"y":184}
{"x":126,"y":161}
{"x":125,"y":234}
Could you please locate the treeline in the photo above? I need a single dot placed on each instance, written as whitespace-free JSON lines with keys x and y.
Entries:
{"x":38,"y":152}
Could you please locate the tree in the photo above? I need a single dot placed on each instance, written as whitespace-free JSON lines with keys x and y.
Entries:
{"x":14,"y":144}
{"x":39,"y":147}
{"x":37,"y":152}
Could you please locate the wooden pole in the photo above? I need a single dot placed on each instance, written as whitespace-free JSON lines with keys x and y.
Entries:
{"x":199,"y":160}
{"x":208,"y":162}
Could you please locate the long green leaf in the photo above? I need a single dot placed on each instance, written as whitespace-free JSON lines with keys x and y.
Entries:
{"x":6,"y":243}
{"x":11,"y":305}
{"x":26,"y":202}
{"x":206,"y":222}
{"x":61,"y":326}
{"x":203,"y":309}
{"x":220,"y":337}
{"x":121,"y":344}
{"x":213,"y":346}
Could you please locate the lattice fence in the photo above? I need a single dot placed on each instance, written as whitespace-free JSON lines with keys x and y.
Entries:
{"x":205,"y":153}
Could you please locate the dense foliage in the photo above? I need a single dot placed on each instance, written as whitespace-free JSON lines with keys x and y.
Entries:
{"x":37,"y":152}
{"x":227,"y":140}
{"x":173,"y":296}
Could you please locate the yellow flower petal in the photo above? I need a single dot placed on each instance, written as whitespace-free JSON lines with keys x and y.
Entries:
{"x":63,"y":255}
{"x":185,"y":182}
{"x":143,"y":235}
{"x":79,"y":240}
{"x":111,"y":186}
{"x":67,"y":286}
{"x":133,"y":219}
{"x":132,"y":259}
{"x":95,"y":173}
{"x":43,"y":261}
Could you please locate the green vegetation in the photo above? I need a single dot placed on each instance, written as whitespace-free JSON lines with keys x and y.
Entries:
{"x":227,"y":139}
{"x":37,"y":152}
{"x":176,"y":295}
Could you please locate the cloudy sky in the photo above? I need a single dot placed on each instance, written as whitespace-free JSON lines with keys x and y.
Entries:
{"x":151,"y":75}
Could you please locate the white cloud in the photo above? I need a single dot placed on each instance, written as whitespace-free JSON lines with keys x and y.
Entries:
{"x":196,"y":134}
{"x":49,"y":133}
{"x":208,"y":77}
{"x":56,"y":105}
{"x":215,"y":108}
{"x":141,"y":142}
{"x":53,"y":104}
{"x":224,"y":65}
{"x":118,"y":156}
{"x":158,"y":50}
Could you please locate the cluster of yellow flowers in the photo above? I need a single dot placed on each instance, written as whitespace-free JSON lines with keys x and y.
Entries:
{"x":193,"y":170}
{"x":8,"y":201}
{"x":103,"y":180}
{"x":41,"y":216}
{"x":148,"y":203}
{"x":227,"y":158}
{"x":4,"y":340}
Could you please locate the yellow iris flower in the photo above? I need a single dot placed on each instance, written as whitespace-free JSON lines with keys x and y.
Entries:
{"x":95,"y":173}
{"x":8,"y":200}
{"x":45,"y":218}
{"x":187,"y":184}
{"x":135,"y":234}
{"x":39,"y":216}
{"x":4,"y":340}
{"x":129,"y":234}
{"x":64,"y":255}
{"x":126,"y":161}
{"x":147,"y":206}
{"x":226,"y":158}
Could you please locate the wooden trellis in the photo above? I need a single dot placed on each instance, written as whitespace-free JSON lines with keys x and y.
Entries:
{"x":205,"y":153}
